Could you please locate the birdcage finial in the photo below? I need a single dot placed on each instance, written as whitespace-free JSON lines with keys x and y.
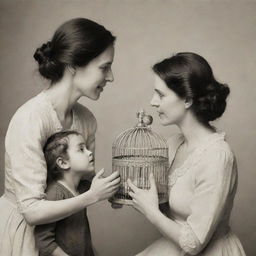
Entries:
{"x":143,"y":119}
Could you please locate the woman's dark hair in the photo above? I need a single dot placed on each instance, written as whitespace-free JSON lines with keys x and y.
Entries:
{"x":190,"y":76}
{"x":56,"y":146}
{"x":75,"y":43}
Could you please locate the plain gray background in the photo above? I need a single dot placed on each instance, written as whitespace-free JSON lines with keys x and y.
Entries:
{"x":147,"y":31}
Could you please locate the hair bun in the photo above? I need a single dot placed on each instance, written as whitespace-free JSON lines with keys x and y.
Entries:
{"x":44,"y":53}
{"x":49,"y":68}
{"x":223,"y":90}
{"x":213,"y":104}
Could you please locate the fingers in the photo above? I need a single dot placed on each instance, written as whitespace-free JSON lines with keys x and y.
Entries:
{"x":112,"y":176}
{"x":111,"y":192}
{"x":134,"y":203}
{"x":115,"y":181}
{"x":132,"y":186}
{"x":152,"y":182}
{"x":131,"y":194}
{"x":114,"y":188}
{"x":100,"y":173}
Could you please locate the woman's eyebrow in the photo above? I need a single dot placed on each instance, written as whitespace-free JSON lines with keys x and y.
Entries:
{"x":106,"y":63}
{"x":81,"y":144}
{"x":158,"y":91}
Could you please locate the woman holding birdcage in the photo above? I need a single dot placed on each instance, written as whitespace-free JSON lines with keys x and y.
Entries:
{"x":203,"y":171}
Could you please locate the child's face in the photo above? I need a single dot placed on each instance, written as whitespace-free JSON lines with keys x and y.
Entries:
{"x":81,"y":160}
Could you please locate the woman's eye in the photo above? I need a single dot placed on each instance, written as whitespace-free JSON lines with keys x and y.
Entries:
{"x":105,"y":68}
{"x":160,"y":95}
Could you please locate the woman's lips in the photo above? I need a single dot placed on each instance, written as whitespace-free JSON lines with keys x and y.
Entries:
{"x":101,"y":87}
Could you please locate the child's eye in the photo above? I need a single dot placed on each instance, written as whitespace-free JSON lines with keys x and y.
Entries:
{"x":81,"y":149}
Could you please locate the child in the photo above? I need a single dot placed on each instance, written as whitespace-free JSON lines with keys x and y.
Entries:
{"x":68,"y":161}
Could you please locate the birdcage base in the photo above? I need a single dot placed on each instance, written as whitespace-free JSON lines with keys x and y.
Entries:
{"x":127,"y":200}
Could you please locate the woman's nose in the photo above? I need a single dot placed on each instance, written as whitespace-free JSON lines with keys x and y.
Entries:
{"x":110,"y":76}
{"x":154,"y":102}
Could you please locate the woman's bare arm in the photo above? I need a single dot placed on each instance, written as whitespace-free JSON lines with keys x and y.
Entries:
{"x":51,"y":211}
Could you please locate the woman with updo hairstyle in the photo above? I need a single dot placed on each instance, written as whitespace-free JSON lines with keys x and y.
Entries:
{"x":202,"y":178}
{"x":76,"y":62}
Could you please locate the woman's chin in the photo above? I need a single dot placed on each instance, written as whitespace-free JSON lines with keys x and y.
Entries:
{"x":95,"y":96}
{"x":164,"y":122}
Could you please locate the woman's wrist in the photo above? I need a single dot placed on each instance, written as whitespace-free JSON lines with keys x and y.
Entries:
{"x":89,"y":198}
{"x":153,"y":215}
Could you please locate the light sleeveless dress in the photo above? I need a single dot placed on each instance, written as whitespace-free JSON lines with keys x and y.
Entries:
{"x":25,"y":168}
{"x":201,"y":194}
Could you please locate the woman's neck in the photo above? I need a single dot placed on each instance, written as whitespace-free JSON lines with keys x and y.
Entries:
{"x":194,"y":132}
{"x":63,"y":97}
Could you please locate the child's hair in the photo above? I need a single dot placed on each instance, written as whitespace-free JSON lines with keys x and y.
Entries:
{"x":56,"y":146}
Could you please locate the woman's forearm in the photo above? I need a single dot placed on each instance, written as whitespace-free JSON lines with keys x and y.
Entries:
{"x":167,"y":227}
{"x":147,"y":202}
{"x":51,"y":211}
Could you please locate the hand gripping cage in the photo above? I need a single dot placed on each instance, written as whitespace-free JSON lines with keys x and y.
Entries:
{"x":136,"y":153}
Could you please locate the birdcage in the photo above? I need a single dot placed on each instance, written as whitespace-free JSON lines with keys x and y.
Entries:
{"x":136,"y":153}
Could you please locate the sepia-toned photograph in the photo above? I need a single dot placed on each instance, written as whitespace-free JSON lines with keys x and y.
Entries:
{"x":127,"y":127}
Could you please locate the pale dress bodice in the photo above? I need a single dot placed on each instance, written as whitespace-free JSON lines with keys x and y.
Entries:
{"x":25,"y":168}
{"x":201,"y":194}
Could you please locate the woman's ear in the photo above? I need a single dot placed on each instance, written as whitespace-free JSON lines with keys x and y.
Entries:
{"x":188,"y":103}
{"x":63,"y":163}
{"x":71,"y":69}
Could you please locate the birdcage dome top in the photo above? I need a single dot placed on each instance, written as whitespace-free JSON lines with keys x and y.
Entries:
{"x":139,"y":138}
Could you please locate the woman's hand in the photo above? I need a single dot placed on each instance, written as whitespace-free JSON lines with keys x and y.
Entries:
{"x":103,"y":188}
{"x":58,"y":252}
{"x":145,"y":201}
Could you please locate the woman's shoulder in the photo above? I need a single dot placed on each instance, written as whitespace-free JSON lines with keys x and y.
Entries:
{"x":34,"y":107}
{"x":218,"y":144}
{"x":30,"y":120}
{"x":215,"y":163}
{"x":217,"y":155}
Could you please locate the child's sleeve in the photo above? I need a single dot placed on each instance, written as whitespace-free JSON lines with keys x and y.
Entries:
{"x":45,"y":234}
